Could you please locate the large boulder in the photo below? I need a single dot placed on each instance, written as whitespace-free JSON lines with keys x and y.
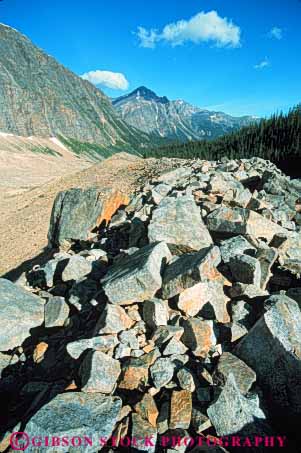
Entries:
{"x":189,"y":269}
{"x":240,"y":221}
{"x":136,"y":277}
{"x":75,"y":415}
{"x":178,"y":221}
{"x":76,"y":212}
{"x":20,"y":311}
{"x":272,"y":349}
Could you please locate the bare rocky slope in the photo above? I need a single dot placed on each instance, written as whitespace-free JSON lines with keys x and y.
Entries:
{"x":40,"y":97}
{"x":168,"y":314}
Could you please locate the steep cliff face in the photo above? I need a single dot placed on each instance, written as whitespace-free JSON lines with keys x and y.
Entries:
{"x":175,"y":120}
{"x":40,"y":97}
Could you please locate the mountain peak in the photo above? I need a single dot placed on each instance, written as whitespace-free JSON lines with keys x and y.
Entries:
{"x":144,"y":93}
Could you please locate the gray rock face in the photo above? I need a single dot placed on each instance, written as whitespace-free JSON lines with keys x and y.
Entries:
{"x":144,"y":433}
{"x":232,"y":412}
{"x":20,"y":311}
{"x":64,"y":416}
{"x":235,"y":246}
{"x":76,"y":268}
{"x":137,"y":277}
{"x":155,"y":313}
{"x":188,"y":270}
{"x":99,"y":373}
{"x":113,"y":319}
{"x":74,"y":215}
{"x":230,"y":364}
{"x":246,"y":269}
{"x":102,"y":343}
{"x":56,"y":312}
{"x":162,"y":372}
{"x":178,"y":221}
{"x":241,"y":221}
{"x":272,"y":349}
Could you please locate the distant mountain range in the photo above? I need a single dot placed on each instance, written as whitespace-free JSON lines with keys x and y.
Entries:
{"x":174,"y":120}
{"x":40,"y":97}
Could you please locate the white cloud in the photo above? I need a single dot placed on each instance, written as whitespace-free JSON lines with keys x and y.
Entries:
{"x":276,"y":33}
{"x":115,"y":80}
{"x":263,"y":64}
{"x":203,"y":27}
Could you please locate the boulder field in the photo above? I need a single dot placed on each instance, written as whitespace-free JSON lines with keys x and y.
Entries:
{"x":173,"y":313}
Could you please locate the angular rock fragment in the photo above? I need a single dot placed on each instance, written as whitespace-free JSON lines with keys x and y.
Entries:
{"x":137,"y":277}
{"x":199,"y":421}
{"x":207,"y":299}
{"x":180,"y":409}
{"x":237,"y":245}
{"x":56,"y":312}
{"x":186,"y":380}
{"x":113,"y":320}
{"x":147,"y":409}
{"x":198,"y":336}
{"x":160,"y":191}
{"x":272,"y":349}
{"x":241,"y":222}
{"x":162,"y":372}
{"x":76,"y":268}
{"x":232,"y":413}
{"x":189,"y":269}
{"x":101,"y":343}
{"x":244,"y":376}
{"x":64,"y":416}
{"x":174,"y":347}
{"x":134,"y":374}
{"x":178,"y":221}
{"x":155,"y":313}
{"x":98,"y":373}
{"x":266,"y":258}
{"x":76,"y":212}
{"x":20,"y":312}
{"x":144,"y":433}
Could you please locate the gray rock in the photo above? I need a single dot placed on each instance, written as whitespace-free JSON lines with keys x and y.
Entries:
{"x":241,"y":221}
{"x":237,"y":245}
{"x":244,"y":290}
{"x":246,"y":269}
{"x":199,"y":421}
{"x":76,"y":268}
{"x":20,"y":312}
{"x":178,"y":221}
{"x":102,"y":343}
{"x":155,"y":313}
{"x":144,"y":433}
{"x":272,"y":349}
{"x":160,"y":191}
{"x":121,"y":351}
{"x":137,"y":277}
{"x":186,"y":380}
{"x":266,"y":258}
{"x":113,"y":320}
{"x":56,"y":312}
{"x":231,"y":413}
{"x":162,"y":372}
{"x":198,"y":336}
{"x":164,"y":333}
{"x":76,"y":212}
{"x":129,"y":338}
{"x":99,"y":373}
{"x":64,"y":416}
{"x":228,"y":363}
{"x":176,"y":176}
{"x":189,"y":269}
{"x":174,"y":347}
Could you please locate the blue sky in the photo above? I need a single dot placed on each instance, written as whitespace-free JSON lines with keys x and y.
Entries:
{"x":237,"y":56}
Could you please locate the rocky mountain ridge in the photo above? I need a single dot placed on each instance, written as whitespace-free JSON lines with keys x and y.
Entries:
{"x":174,"y":312}
{"x":40,"y":97}
{"x":174,"y":120}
